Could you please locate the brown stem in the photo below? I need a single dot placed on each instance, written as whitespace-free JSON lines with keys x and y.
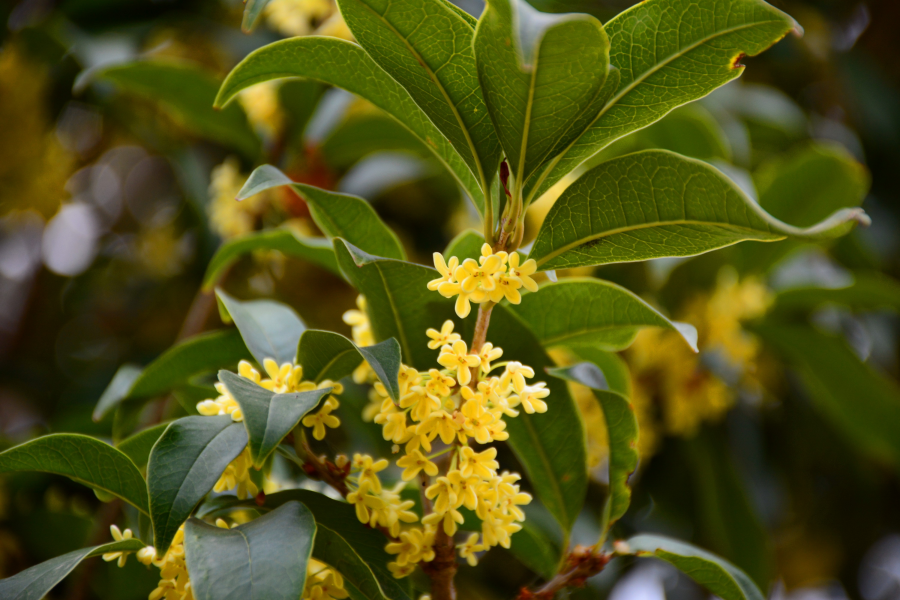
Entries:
{"x":320,"y":469}
{"x":481,"y":326}
{"x":442,"y":569}
{"x":579,"y":565}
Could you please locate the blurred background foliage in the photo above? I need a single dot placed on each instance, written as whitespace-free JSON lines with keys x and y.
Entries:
{"x":777,"y":446}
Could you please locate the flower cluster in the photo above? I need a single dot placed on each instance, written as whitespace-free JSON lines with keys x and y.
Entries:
{"x":323,"y":582}
{"x":687,"y":389}
{"x":283,"y":379}
{"x":306,"y":17}
{"x":491,"y":278}
{"x":455,"y":407}
{"x":361,"y":330}
{"x":227,"y":217}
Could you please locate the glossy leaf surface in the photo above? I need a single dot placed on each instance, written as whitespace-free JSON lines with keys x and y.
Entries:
{"x":269,"y":329}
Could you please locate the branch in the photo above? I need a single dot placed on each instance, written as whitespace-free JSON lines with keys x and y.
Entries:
{"x":579,"y":565}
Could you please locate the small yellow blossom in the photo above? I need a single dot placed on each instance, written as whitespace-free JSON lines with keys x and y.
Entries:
{"x":481,"y":464}
{"x":456,"y":357}
{"x":468,"y":550}
{"x":321,"y":419}
{"x":414,"y":462}
{"x":515,"y":375}
{"x":228,"y":217}
{"x":118,"y":536}
{"x":443,"y":337}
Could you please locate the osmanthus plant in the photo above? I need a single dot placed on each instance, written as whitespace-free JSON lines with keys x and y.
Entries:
{"x":513,"y":104}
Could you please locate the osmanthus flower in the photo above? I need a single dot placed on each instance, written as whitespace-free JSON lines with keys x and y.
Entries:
{"x":443,"y":337}
{"x":494,"y":276}
{"x":449,"y":520}
{"x":515,"y":375}
{"x":414,"y":462}
{"x":237,"y":475}
{"x":367,"y":469}
{"x":481,"y":464}
{"x":530,"y":398}
{"x":443,"y":494}
{"x":118,"y":536}
{"x":321,"y":419}
{"x":456,"y":357}
{"x":361,"y":331}
{"x":469,"y":548}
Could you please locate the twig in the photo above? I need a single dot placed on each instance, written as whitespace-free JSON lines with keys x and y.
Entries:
{"x":578,"y":566}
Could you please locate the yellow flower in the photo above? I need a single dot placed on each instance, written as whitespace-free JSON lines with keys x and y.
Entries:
{"x":443,"y":337}
{"x":414,"y":546}
{"x":363,"y":501}
{"x":487,"y":354}
{"x":297,"y":17}
{"x":515,"y":375}
{"x":118,"y":536}
{"x":228,"y":217}
{"x":481,"y":464}
{"x":456,"y":356}
{"x":323,"y":418}
{"x":414,"y":462}
{"x":441,"y":423}
{"x":446,"y":269}
{"x":261,"y":104}
{"x":450,"y":520}
{"x":465,"y":488}
{"x":477,"y":420}
{"x":468,"y":550}
{"x":237,"y":475}
{"x":530,"y":398}
{"x":473,"y":276}
{"x":368,"y":469}
{"x":523,"y":273}
{"x":443,"y":494}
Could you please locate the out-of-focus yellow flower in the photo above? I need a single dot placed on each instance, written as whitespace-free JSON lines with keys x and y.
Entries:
{"x":673,"y":383}
{"x":228,"y":217}
{"x":260,"y":102}
{"x":34,"y":165}
{"x":162,"y":251}
{"x":302,"y":17}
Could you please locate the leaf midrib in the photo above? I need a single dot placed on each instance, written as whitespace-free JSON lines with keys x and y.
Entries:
{"x":611,"y":232}
{"x":627,"y":89}
{"x":440,"y":86}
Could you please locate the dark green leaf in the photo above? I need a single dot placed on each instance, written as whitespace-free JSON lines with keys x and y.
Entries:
{"x":338,"y":215}
{"x":399,"y":303}
{"x":203,"y":353}
{"x":268,"y":416}
{"x":318,"y":251}
{"x":327,"y":355}
{"x":84,"y":459}
{"x":551,"y":446}
{"x":803,"y":188}
{"x":361,"y":135}
{"x":465,"y":245}
{"x":621,"y":427}
{"x":138,"y":446}
{"x":669,"y":53}
{"x":655,"y":203}
{"x":184,"y":465}
{"x":861,"y":404}
{"x":534,"y":549}
{"x":264,"y":559}
{"x":117,"y":390}
{"x":592,"y":312}
{"x":186,"y":92}
{"x":427,"y":48}
{"x":270,"y":329}
{"x":719,"y":577}
{"x":36,"y":582}
{"x":869,"y":291}
{"x":345,"y":65}
{"x":541,"y":76}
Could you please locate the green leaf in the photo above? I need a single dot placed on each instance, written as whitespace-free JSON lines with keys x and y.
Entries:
{"x":861,"y":403}
{"x":654,"y":204}
{"x":551,"y":446}
{"x":253,"y":10}
{"x":622,"y":429}
{"x":203,"y":353}
{"x":36,"y":582}
{"x":270,"y":329}
{"x":689,"y":130}
{"x":356,"y":550}
{"x":399,"y":303}
{"x":614,"y":368}
{"x":264,"y":559}
{"x":318,"y":251}
{"x":186,"y":93}
{"x":138,"y":446}
{"x":592,"y":312}
{"x":534,"y":549}
{"x":116,"y":391}
{"x":719,"y":577}
{"x":361,"y":135}
{"x":338,"y":215}
{"x":726,"y":519}
{"x":869,"y":291}
{"x":268,"y":416}
{"x":542,"y":77}
{"x":427,"y":48}
{"x":467,"y":244}
{"x":328,"y":355}
{"x":669,"y":53}
{"x":346,"y":65}
{"x":184,"y":465}
{"x":804,"y":187}
{"x":83,"y":459}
